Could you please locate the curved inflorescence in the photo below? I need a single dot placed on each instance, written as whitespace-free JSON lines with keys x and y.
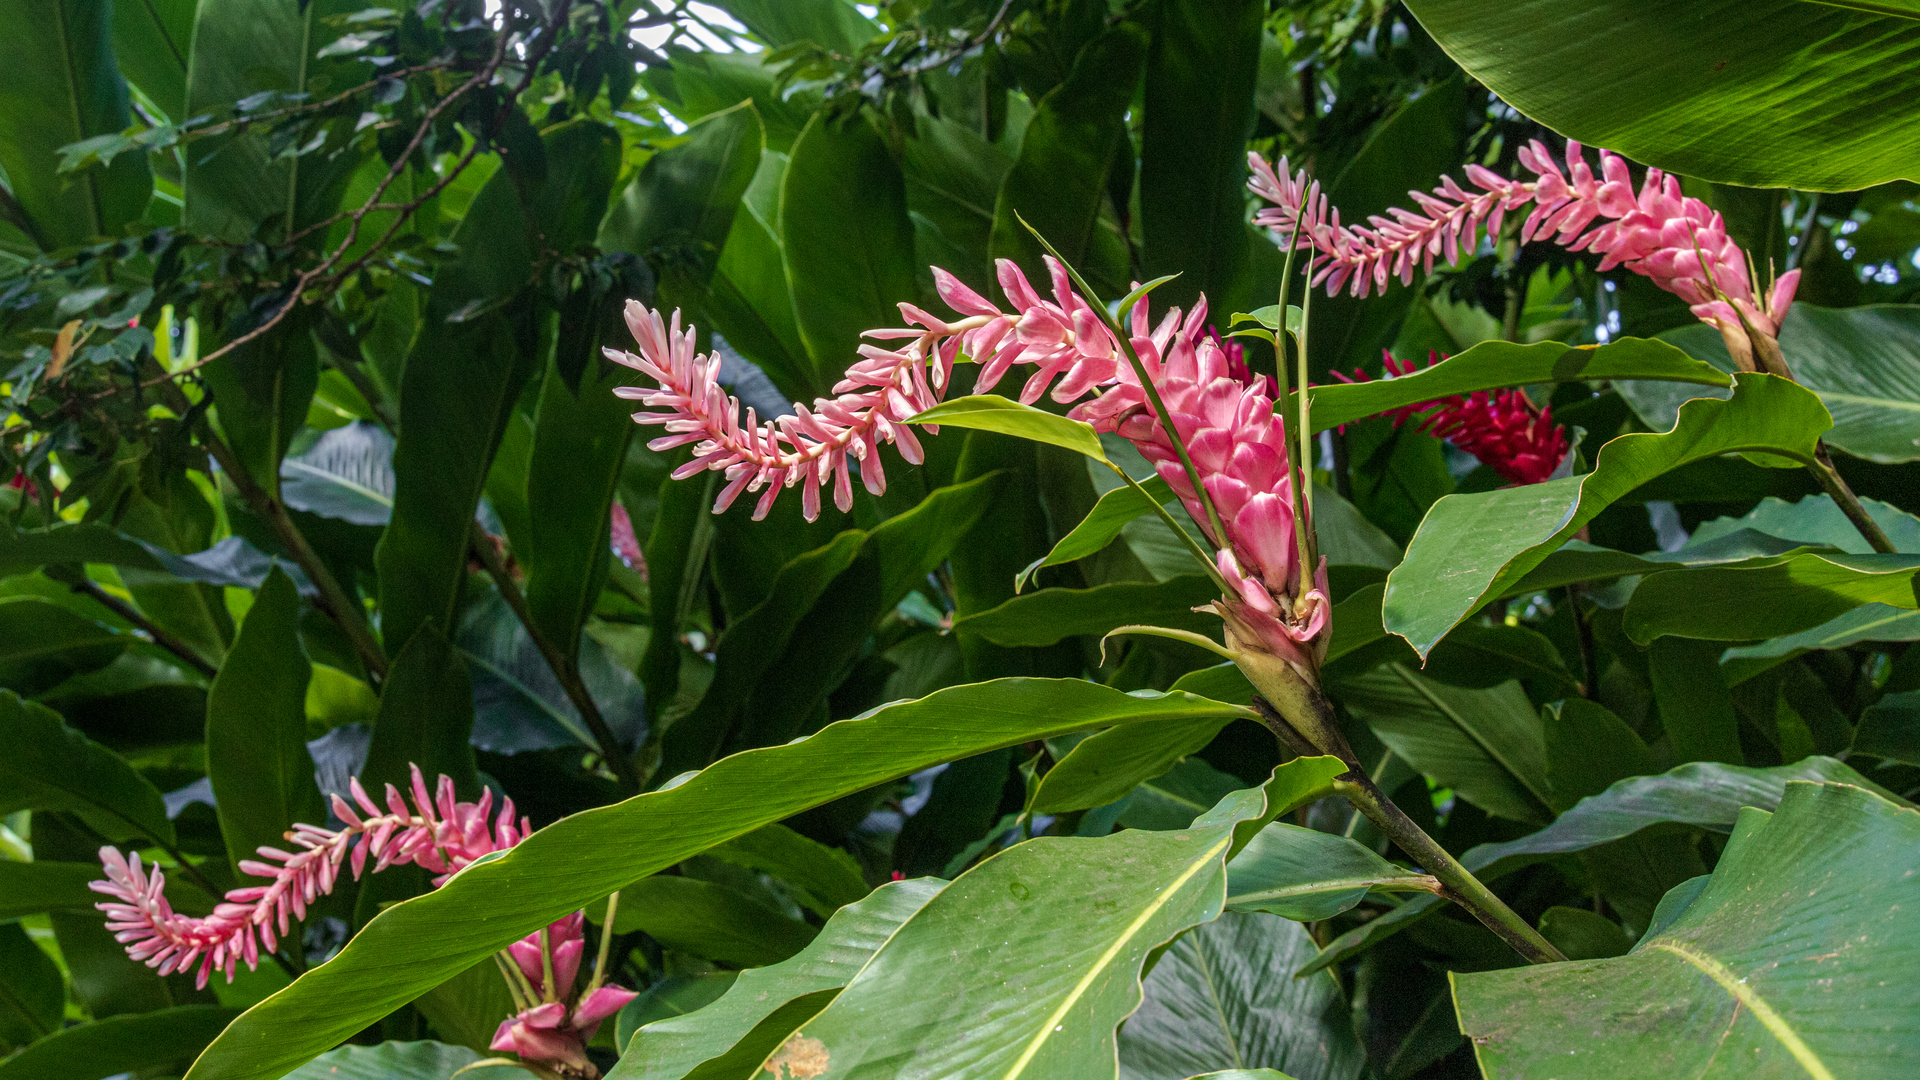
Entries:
{"x":438,"y":833}
{"x":1235,"y":439}
{"x":1677,"y":241}
{"x":1503,"y":428}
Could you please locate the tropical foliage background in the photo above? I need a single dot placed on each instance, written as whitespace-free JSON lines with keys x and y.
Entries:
{"x":313,"y":472}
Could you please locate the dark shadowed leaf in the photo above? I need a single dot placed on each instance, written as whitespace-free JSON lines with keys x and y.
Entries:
{"x":50,"y":766}
{"x":120,"y":1044}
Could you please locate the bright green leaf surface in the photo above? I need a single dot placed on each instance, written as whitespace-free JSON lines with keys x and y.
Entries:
{"x":1740,"y":604}
{"x":1224,"y":994}
{"x":1799,"y":957}
{"x":1102,"y":524}
{"x":677,"y":1047}
{"x":1105,"y":767}
{"x":1778,"y":93}
{"x":1306,"y":875}
{"x":1493,"y":364}
{"x":1052,"y":933}
{"x":1470,"y":547}
{"x":991,"y":412}
{"x":826,"y":878}
{"x":420,"y":943}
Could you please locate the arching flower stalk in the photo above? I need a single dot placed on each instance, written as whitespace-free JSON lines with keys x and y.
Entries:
{"x":1677,"y":241}
{"x":436,"y":832}
{"x":1229,"y":429}
{"x":1503,"y":428}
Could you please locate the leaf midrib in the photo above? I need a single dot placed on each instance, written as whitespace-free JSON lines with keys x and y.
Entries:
{"x":1745,"y":995}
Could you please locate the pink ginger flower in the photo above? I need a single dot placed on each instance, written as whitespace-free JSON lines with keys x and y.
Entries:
{"x":549,"y":1029}
{"x":1677,"y":241}
{"x":1235,"y":438}
{"x":437,"y":832}
{"x":626,"y":546}
{"x":1503,"y":428}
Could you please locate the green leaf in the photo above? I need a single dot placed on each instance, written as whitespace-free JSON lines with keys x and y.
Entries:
{"x":1588,"y":749}
{"x":1059,"y":181}
{"x":831,"y":24}
{"x":1869,"y":622}
{"x":414,"y":946}
{"x":120,"y":1044}
{"x":346,"y":474}
{"x":1488,"y":745}
{"x":846,"y":238}
{"x":579,"y":444}
{"x":425,"y":718}
{"x":1070,"y":920}
{"x":32,"y":996}
{"x":1199,"y":111}
{"x":1470,"y":548}
{"x":1890,"y":728}
{"x":1780,"y":93}
{"x":1579,"y":561}
{"x":735,"y":1033}
{"x":1102,"y":524}
{"x":991,"y":412}
{"x":1103,"y":768}
{"x":826,"y":878}
{"x":1494,"y":364}
{"x":1583,"y":934}
{"x":1743,"y":603}
{"x":1792,"y":960}
{"x":150,"y":40}
{"x":43,"y":885}
{"x":261,"y":393}
{"x":50,"y":766}
{"x":748,"y":300}
{"x":1861,"y":361}
{"x":257,"y":757}
{"x":392,"y":1061}
{"x":60,"y":85}
{"x":1814,"y":521}
{"x":675,"y":995}
{"x":683,"y":201}
{"x":1306,"y":875}
{"x":1223,"y":994}
{"x":233,"y":183}
{"x":1050,"y":615}
{"x":43,"y":644}
{"x":710,"y":920}
{"x":779,"y":660}
{"x":1175,"y":798}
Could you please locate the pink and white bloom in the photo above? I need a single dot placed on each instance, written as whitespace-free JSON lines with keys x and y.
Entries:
{"x":436,"y":832}
{"x":1677,"y":241}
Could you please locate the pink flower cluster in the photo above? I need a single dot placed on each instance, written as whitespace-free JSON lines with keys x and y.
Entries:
{"x":1677,"y":241}
{"x":437,"y":832}
{"x":1229,"y":427}
{"x":550,"y":1029}
{"x":1503,"y":428}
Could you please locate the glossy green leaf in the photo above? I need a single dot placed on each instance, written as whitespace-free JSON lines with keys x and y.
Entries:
{"x":1224,"y":994}
{"x":1199,"y":111}
{"x":150,"y":40}
{"x":1103,"y":768}
{"x":846,"y":238}
{"x":257,"y":755}
{"x":830,"y":24}
{"x":1814,"y":520}
{"x":261,"y":393}
{"x":346,"y":474}
{"x":1494,"y":364}
{"x":1588,"y":749}
{"x":1487,"y":745}
{"x":32,"y":995}
{"x":710,"y":920}
{"x":1067,"y":920}
{"x":675,"y":995}
{"x":1470,"y":547}
{"x":748,"y":300}
{"x":1869,"y":622}
{"x":43,"y":644}
{"x":1864,"y":363}
{"x":782,"y":657}
{"x":991,"y":412}
{"x":1781,"y":93}
{"x":416,"y":945}
{"x":50,"y":766}
{"x":1795,"y":959}
{"x":1741,"y":604}
{"x":60,"y":86}
{"x":394,"y":1061}
{"x":1890,"y":728}
{"x":1102,"y":524}
{"x":684,"y":199}
{"x":825,"y":878}
{"x":734,"y":1034}
{"x":1306,"y":875}
{"x":1583,"y":935}
{"x":233,"y":183}
{"x":120,"y":1044}
{"x":1050,"y":615}
{"x":425,"y":718}
{"x":1579,"y":561}
{"x":1058,"y":181}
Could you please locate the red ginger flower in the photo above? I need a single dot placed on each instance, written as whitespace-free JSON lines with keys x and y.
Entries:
{"x":437,"y":832}
{"x":1503,"y":428}
{"x":1677,"y":241}
{"x":551,"y":1030}
{"x":1236,"y":440}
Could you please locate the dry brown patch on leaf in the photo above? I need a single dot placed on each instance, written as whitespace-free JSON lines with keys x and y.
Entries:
{"x":801,"y":1057}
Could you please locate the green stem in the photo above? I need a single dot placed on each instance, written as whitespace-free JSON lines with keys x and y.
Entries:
{"x":86,"y":586}
{"x":1193,"y":547}
{"x":1836,"y":488}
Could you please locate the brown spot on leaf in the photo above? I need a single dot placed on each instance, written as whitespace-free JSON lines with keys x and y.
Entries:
{"x":800,"y":1057}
